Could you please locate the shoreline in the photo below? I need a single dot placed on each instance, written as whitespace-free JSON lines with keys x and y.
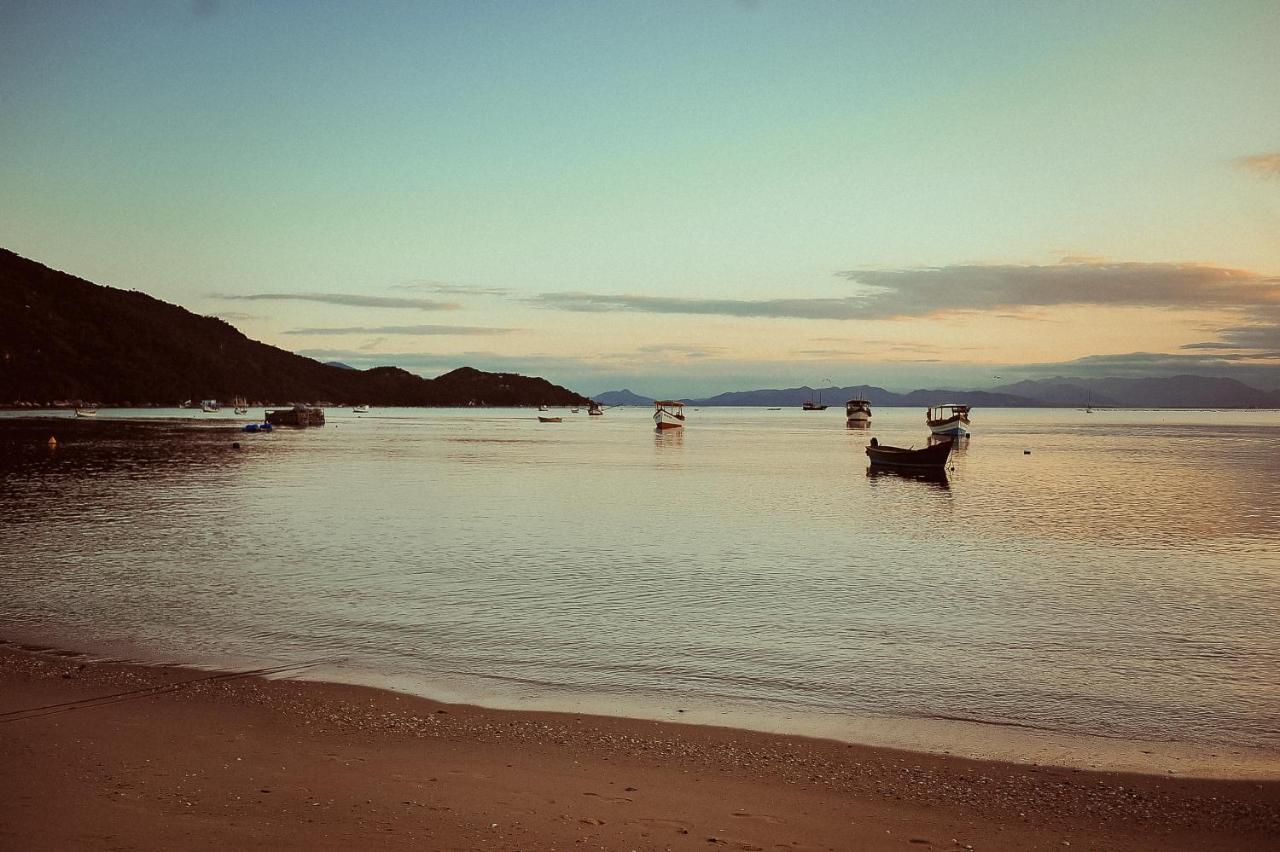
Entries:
{"x":976,"y":739}
{"x":201,"y":759}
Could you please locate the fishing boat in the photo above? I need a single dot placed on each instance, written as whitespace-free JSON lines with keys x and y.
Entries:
{"x":810,"y":405}
{"x":242,"y":407}
{"x":209,"y":406}
{"x":668,"y":414}
{"x":360,"y":409}
{"x":948,"y":419}
{"x":543,"y":408}
{"x":573,"y":410}
{"x":86,"y":412}
{"x":299,"y":415}
{"x":857,"y":412}
{"x":548,"y":419}
{"x":935,"y":455}
{"x":595,"y":410}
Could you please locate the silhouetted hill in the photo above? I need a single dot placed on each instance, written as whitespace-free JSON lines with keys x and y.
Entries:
{"x":64,"y":338}
{"x":1148,"y":392}
{"x":1174,"y":392}
{"x":622,"y":397}
{"x":877,"y":396}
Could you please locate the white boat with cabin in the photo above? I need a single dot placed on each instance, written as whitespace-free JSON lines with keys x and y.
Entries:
{"x":668,"y":414}
{"x":857,"y":412}
{"x":949,"y":419}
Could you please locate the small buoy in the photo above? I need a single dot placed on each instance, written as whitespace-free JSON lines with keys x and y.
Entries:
{"x":53,"y":442}
{"x":235,"y":445}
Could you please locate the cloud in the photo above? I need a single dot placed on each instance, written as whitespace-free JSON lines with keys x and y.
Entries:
{"x":452,"y":289}
{"x":838,"y":308}
{"x":421,"y":330}
{"x":941,"y":290}
{"x":1267,"y":165}
{"x":1139,"y":364}
{"x":950,"y":290}
{"x":347,"y":299}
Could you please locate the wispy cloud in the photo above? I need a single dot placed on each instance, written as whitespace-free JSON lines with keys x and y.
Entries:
{"x":1138,"y":364}
{"x":452,"y":289}
{"x":347,"y":299}
{"x":1259,"y":340}
{"x":837,"y":308}
{"x":939,"y":290}
{"x":677,"y":350}
{"x":1267,"y":165}
{"x":420,"y":330}
{"x":947,"y":290}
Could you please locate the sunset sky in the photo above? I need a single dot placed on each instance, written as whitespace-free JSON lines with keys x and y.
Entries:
{"x":677,"y":197}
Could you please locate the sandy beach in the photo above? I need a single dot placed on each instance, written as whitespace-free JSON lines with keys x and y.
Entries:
{"x":97,"y":755}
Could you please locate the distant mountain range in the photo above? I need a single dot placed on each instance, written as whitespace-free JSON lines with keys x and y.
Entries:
{"x":1165,"y":392}
{"x":64,"y":338}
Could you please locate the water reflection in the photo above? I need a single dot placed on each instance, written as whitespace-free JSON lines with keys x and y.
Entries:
{"x":474,"y":542}
{"x":668,"y":438}
{"x":934,"y":476}
{"x":959,"y":443}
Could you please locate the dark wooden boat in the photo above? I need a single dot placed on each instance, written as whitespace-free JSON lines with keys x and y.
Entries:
{"x":935,"y":455}
{"x":299,"y":415}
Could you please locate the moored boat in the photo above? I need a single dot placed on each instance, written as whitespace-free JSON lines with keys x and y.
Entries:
{"x":299,"y":415}
{"x":857,"y":412}
{"x":360,"y":409}
{"x":668,"y":414}
{"x":543,"y":408}
{"x":209,"y":406}
{"x":549,"y":419}
{"x":948,"y":419}
{"x":86,"y":412}
{"x":242,"y":407}
{"x":935,"y":455}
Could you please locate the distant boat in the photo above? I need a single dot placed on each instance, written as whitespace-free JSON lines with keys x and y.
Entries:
{"x":360,"y":409}
{"x":810,"y":405}
{"x":857,"y":412}
{"x":299,"y":415}
{"x":948,"y":419}
{"x":668,"y":414}
{"x":543,"y":408}
{"x":548,"y":419}
{"x":242,"y":407}
{"x":595,"y":410}
{"x":86,"y":412}
{"x":935,"y":455}
{"x":210,"y":405}
{"x":573,"y":410}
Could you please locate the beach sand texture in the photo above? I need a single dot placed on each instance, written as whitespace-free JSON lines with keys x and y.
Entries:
{"x":256,"y":763}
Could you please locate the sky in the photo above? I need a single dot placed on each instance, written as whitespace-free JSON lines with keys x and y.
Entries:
{"x":678,"y":198}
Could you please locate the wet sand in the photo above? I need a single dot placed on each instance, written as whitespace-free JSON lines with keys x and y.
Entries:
{"x":269,"y":763}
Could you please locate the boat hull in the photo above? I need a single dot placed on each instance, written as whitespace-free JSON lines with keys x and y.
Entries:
{"x":952,"y":427}
{"x":668,"y":424}
{"x":934,"y":456}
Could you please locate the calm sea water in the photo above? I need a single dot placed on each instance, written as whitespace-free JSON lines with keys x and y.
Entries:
{"x":1122,"y":579}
